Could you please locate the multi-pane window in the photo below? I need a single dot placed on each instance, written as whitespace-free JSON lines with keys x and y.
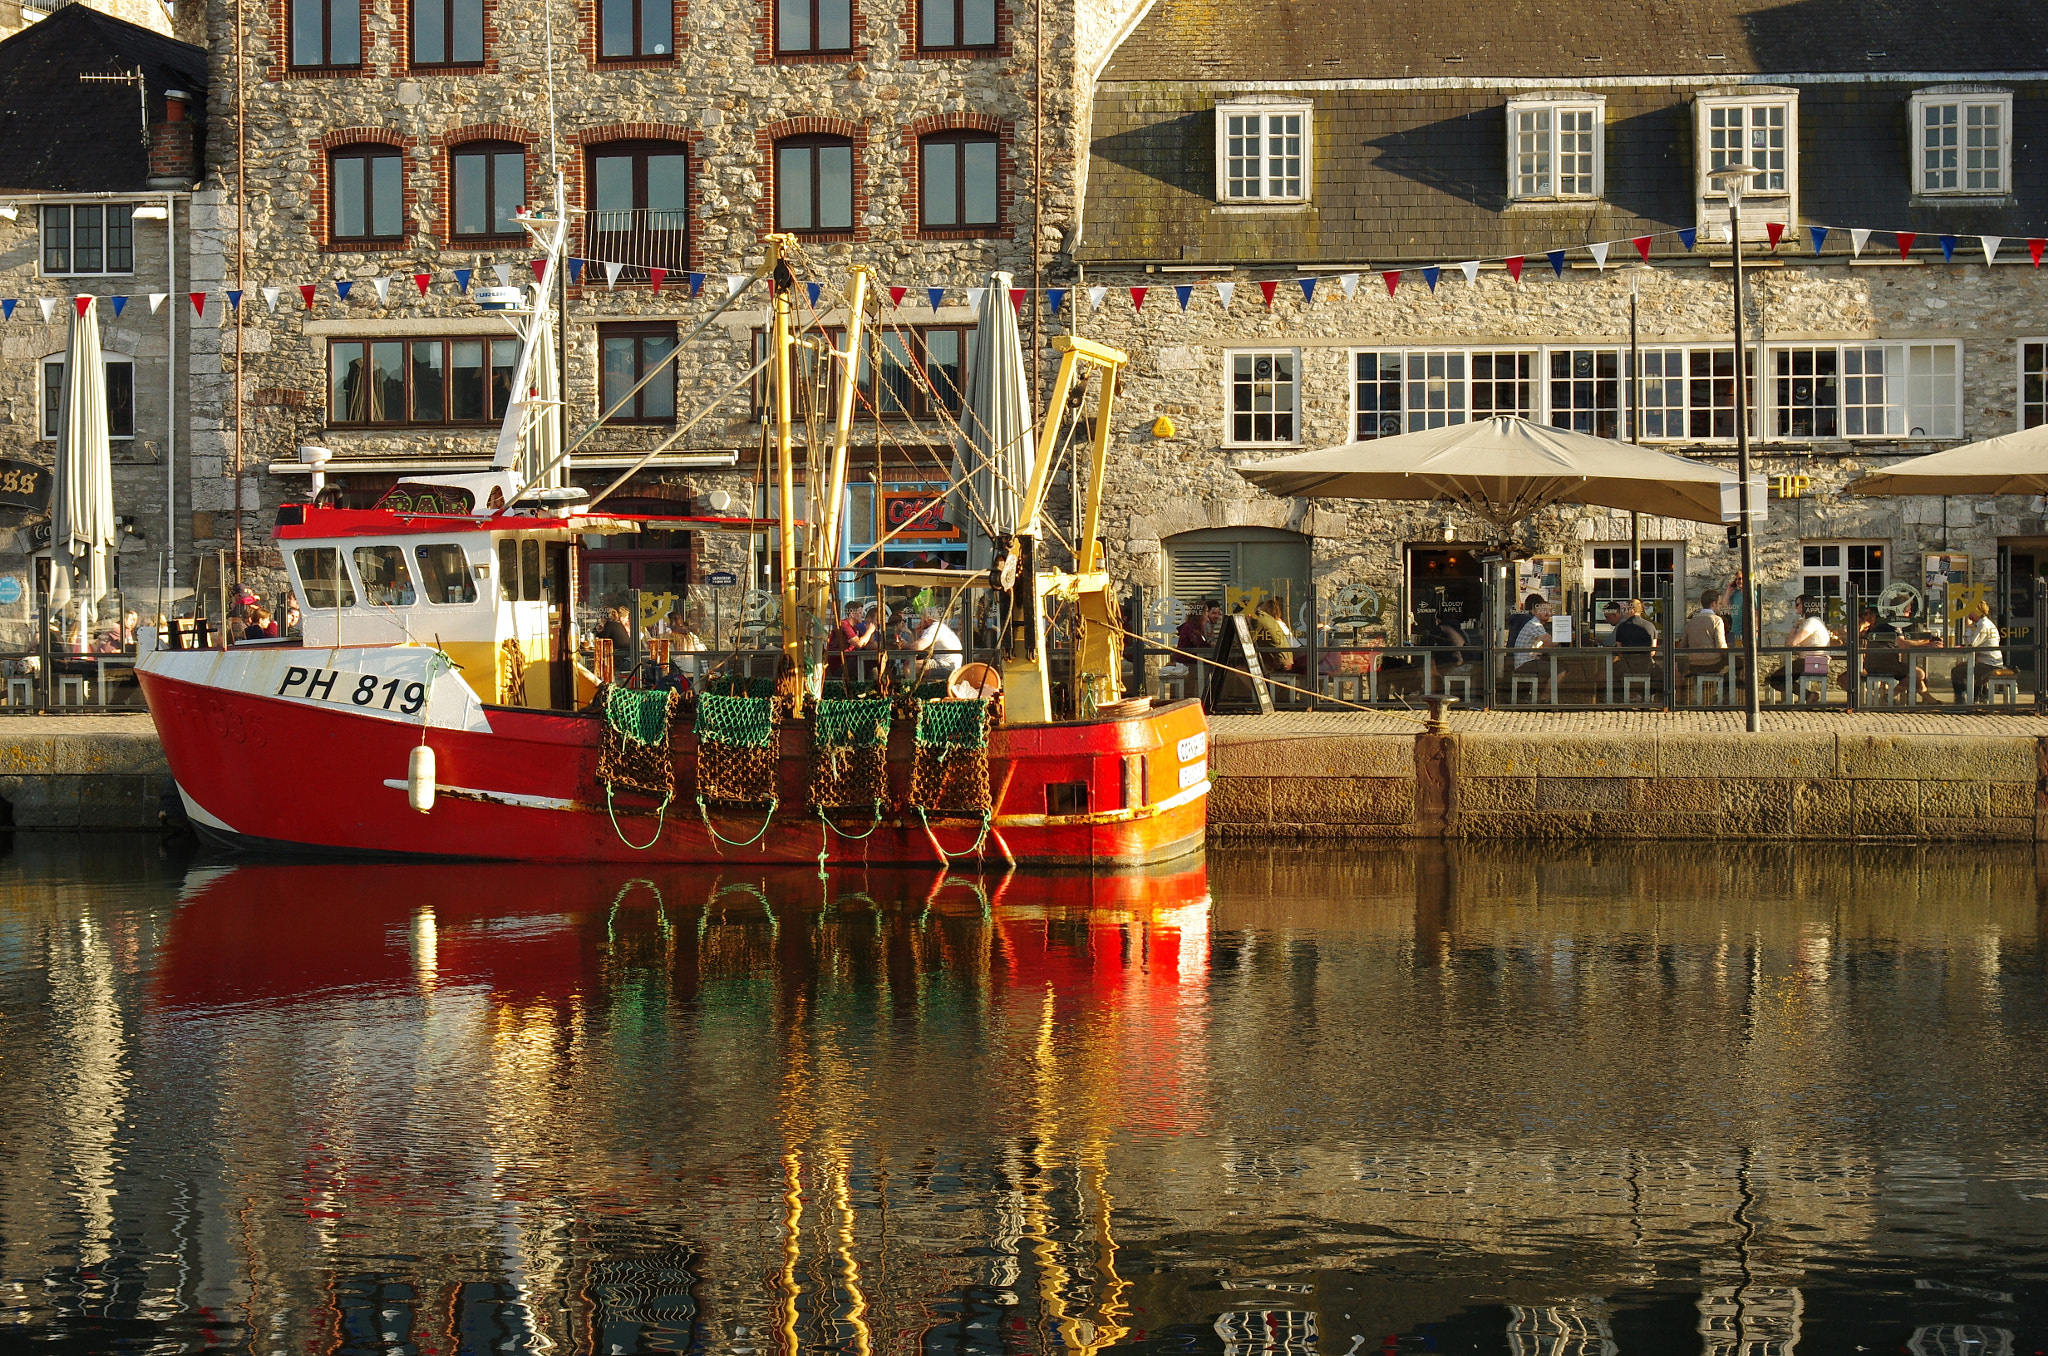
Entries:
{"x":1262,"y":153}
{"x":1961,"y":142}
{"x":1757,"y":134}
{"x":943,"y":353}
{"x":1690,"y":393}
{"x":1554,"y":150}
{"x":489,"y":186}
{"x":2033,"y":384}
{"x":1502,"y":384}
{"x":1263,"y":396}
{"x":944,"y":24}
{"x":420,"y":381}
{"x":640,"y":204}
{"x":88,"y":238}
{"x":1656,"y":574}
{"x":1585,"y":390}
{"x":1396,"y":390}
{"x":365,"y":197}
{"x":120,"y":373}
{"x":803,"y":26}
{"x":327,"y":32}
{"x":627,"y":353}
{"x":814,"y":184}
{"x":1831,"y":569}
{"x":1865,"y":391}
{"x":635,"y":28}
{"x":958,"y":182}
{"x":447,"y":32}
{"x":1376,"y":403}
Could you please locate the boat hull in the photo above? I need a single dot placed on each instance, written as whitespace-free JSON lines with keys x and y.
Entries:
{"x":262,"y":766}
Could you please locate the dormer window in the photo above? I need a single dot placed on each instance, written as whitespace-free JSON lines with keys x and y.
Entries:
{"x":1961,"y":140}
{"x":1756,"y":127}
{"x":1262,"y":153}
{"x":1556,"y":147}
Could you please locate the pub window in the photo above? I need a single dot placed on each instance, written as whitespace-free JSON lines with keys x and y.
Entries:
{"x":88,"y":238}
{"x":1263,"y":396}
{"x":1585,"y":390}
{"x":814,"y":184}
{"x":2034,"y":383}
{"x":1866,"y":391}
{"x":366,"y":199}
{"x":420,"y":381}
{"x":447,"y":32}
{"x":1831,"y":569}
{"x":1960,"y":141}
{"x":120,"y":395}
{"x":489,"y":186}
{"x":327,"y":32}
{"x":1554,"y":149}
{"x":1262,"y":153}
{"x":959,"y":183}
{"x":627,"y":353}
{"x":946,"y":24}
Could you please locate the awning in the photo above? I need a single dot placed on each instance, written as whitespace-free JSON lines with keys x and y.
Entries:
{"x":455,"y":465}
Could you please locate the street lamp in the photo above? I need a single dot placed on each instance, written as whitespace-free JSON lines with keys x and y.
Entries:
{"x":1732,"y":180}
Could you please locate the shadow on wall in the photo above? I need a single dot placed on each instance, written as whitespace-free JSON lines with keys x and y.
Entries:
{"x":1178,"y":152}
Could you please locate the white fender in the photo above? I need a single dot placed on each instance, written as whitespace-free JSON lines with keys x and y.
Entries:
{"x":419,"y":779}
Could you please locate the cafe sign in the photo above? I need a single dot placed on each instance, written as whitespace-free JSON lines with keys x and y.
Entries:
{"x":24,"y":485}
{"x":913,"y":515}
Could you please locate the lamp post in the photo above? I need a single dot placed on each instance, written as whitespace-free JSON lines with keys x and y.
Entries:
{"x":1732,"y":180}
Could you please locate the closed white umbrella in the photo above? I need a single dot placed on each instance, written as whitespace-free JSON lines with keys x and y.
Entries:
{"x":992,"y":469}
{"x":2016,"y":463}
{"x":82,"y":490}
{"x":1503,"y":470}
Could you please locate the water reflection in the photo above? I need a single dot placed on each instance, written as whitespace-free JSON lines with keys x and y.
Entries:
{"x":1672,"y":1099}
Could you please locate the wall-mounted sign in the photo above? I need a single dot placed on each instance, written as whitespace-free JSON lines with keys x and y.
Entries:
{"x":921,"y":516}
{"x":721,"y":579}
{"x":24,"y":485}
{"x":10,"y":590}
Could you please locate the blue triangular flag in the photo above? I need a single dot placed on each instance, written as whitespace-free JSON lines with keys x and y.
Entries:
{"x":1308,"y":291}
{"x":1556,"y":258}
{"x":1948,"y":249}
{"x":816,"y":290}
{"x":1431,"y":274}
{"x":1819,"y":233}
{"x":462,"y":276}
{"x":7,"y":305}
{"x":935,"y":295}
{"x":696,"y":283}
{"x":1689,"y":236}
{"x":576,"y":270}
{"x":1054,"y":296}
{"x":120,"y":305}
{"x":1183,"y":291}
{"x":341,"y":287}
{"x":234,"y":300}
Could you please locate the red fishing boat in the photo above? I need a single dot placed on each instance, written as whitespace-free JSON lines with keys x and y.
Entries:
{"x":435,"y":705}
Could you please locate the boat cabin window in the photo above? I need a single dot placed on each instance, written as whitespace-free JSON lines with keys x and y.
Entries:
{"x":444,"y":573}
{"x":385,"y":581}
{"x":519,"y":578}
{"x":322,"y":579}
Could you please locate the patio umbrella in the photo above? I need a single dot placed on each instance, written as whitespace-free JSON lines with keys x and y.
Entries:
{"x":2016,"y":463}
{"x":992,"y":466}
{"x":82,"y":489}
{"x":1503,"y":470}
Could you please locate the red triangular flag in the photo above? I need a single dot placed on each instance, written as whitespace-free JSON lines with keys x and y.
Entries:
{"x":540,"y":270}
{"x":1016,"y":298}
{"x":1267,"y":289}
{"x":1138,"y":298}
{"x":896,"y":295}
{"x":655,"y":275}
{"x":1642,"y":244}
{"x":198,"y":302}
{"x":1393,"y":280}
{"x":1905,"y":239}
{"x":1514,"y":267}
{"x":421,"y":281}
{"x":2034,"y":247}
{"x":1773,"y":229}
{"x":306,"y":290}
{"x":81,"y":303}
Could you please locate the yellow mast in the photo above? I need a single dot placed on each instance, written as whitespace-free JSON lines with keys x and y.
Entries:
{"x":826,"y":531}
{"x":779,"y":341}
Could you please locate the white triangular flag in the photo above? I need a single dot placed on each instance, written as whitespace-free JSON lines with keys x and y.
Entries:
{"x":270,"y":299}
{"x":1224,"y":292}
{"x":1095,"y":296}
{"x":1349,"y":282}
{"x":1471,"y":267}
{"x":504,"y":272}
{"x":49,"y":306}
{"x":611,"y":274}
{"x":157,"y":299}
{"x":1599,"y":253}
{"x":974,"y":296}
{"x":383,"y":286}
{"x":1857,"y":240}
{"x":733,"y":283}
{"x":1991,"y":244}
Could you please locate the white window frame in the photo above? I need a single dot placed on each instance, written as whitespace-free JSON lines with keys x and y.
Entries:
{"x":1685,"y":380}
{"x":43,"y":411}
{"x":1230,"y":357}
{"x":1962,"y":98}
{"x":1551,"y":107}
{"x":1928,"y":399}
{"x":1433,"y":370}
{"x":71,"y":207}
{"x":2040,"y":370}
{"x":1595,"y":576}
{"x":1265,"y":110}
{"x":1761,"y":203}
{"x":1840,"y":570}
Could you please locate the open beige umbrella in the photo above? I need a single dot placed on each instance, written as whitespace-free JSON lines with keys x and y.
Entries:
{"x":2016,"y":463}
{"x":1503,"y":470}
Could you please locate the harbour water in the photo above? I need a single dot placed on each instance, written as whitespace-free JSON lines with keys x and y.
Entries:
{"x":1668,"y":1098}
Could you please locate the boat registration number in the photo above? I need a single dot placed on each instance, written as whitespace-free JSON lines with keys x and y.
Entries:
{"x":1193,"y":774}
{"x":1194,"y":746}
{"x":357,"y":689}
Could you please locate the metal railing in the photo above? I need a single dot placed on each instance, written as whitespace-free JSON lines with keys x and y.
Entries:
{"x":640,"y":237}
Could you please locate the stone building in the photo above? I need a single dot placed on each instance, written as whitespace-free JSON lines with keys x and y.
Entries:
{"x":393,"y":138}
{"x":100,"y":148}
{"x":1408,"y":166}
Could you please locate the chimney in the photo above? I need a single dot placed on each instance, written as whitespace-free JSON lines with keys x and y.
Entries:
{"x":172,"y":143}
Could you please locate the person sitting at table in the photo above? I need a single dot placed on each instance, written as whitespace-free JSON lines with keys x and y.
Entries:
{"x":939,"y":641}
{"x":1980,"y":633}
{"x":1534,"y":636}
{"x":1273,"y":636}
{"x":1883,"y":650}
{"x":1636,"y":631}
{"x":1809,"y":635}
{"x":1705,"y":630}
{"x":1518,"y":620}
{"x":1610,"y":612}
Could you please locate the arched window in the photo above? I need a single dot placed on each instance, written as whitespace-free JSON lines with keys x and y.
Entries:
{"x":958,"y":184}
{"x":120,"y":370}
{"x":366,"y":198}
{"x":487,"y":183}
{"x":639,"y":201}
{"x":447,"y":32}
{"x":814,"y":184}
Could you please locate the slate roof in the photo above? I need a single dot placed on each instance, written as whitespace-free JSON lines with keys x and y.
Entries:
{"x":61,"y":135}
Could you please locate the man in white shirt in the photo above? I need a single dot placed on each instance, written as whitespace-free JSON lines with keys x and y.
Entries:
{"x":1534,"y":635}
{"x":1809,"y":636}
{"x":1980,"y":633}
{"x":940,"y":641}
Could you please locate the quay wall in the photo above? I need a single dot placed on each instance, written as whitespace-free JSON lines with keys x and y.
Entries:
{"x":81,"y":773}
{"x":1649,"y":785}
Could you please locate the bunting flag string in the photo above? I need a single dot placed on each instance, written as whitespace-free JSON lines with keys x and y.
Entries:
{"x":157,"y":299}
{"x":974,"y":296}
{"x":1430,"y":275}
{"x":1556,"y":258}
{"x":7,"y":305}
{"x":462,"y":277}
{"x":1182,"y":291}
{"x":270,"y":295}
{"x":383,"y":286}
{"x":306,"y":290}
{"x":1776,"y":231}
{"x":1393,"y":277}
{"x":1226,"y":292}
{"x":1349,"y":282}
{"x":1138,"y":298}
{"x":1948,"y":249}
{"x":611,"y":274}
{"x":1266,"y":290}
{"x":575,"y":274}
{"x":655,"y":278}
{"x":1470,"y":268}
{"x":504,"y":272}
{"x":934,"y":296}
{"x":49,"y":307}
{"x":1819,"y":234}
{"x":1095,"y":296}
{"x":1308,"y":291}
{"x":1054,"y":296}
{"x":895,"y":294}
{"x":120,"y":305}
{"x":1599,"y":253}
